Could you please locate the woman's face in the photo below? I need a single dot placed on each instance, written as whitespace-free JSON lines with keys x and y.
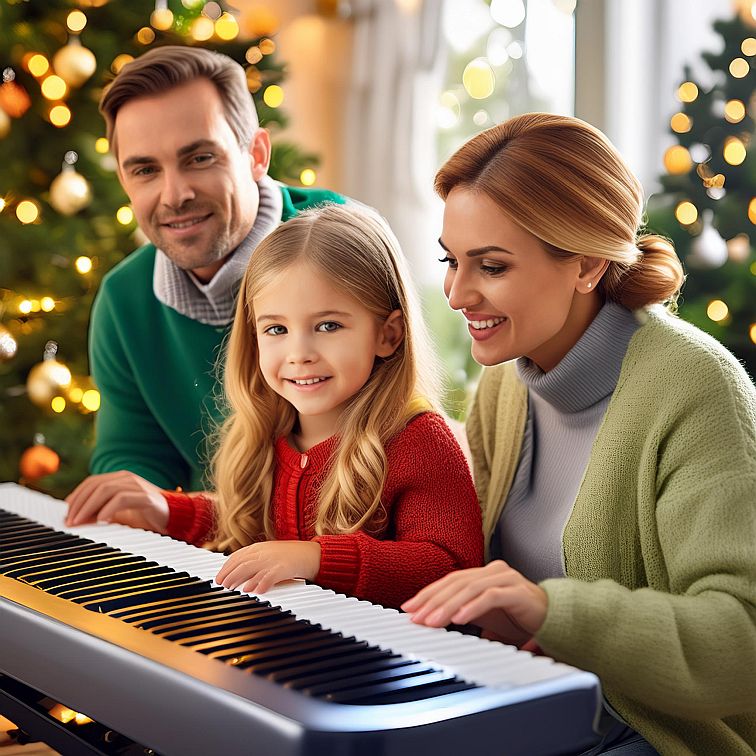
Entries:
{"x":519,"y":300}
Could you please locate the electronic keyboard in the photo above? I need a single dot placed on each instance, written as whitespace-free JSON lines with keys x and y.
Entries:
{"x":128,"y":627}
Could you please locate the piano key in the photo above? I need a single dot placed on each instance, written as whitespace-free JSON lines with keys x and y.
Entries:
{"x":306,"y":681}
{"x":209,"y":627}
{"x":275,"y":628}
{"x":116,"y":588}
{"x":214,"y":597}
{"x":136,"y":598}
{"x":239,"y":655}
{"x":191,"y":617}
{"x":327,"y":643}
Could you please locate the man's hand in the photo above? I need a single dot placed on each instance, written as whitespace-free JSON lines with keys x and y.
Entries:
{"x":495,"y":597}
{"x":121,"y":497}
{"x":257,"y":568}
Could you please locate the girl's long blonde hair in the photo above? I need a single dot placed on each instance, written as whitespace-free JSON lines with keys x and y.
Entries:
{"x":355,"y":249}
{"x":563,"y":181}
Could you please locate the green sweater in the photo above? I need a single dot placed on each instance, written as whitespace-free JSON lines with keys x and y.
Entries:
{"x":156,"y":371}
{"x":660,"y":549}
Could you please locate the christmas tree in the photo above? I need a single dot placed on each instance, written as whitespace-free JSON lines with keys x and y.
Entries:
{"x":64,"y":220}
{"x":708,"y":203}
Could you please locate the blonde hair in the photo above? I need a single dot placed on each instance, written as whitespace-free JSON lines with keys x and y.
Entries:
{"x":561,"y":179}
{"x":355,"y":250}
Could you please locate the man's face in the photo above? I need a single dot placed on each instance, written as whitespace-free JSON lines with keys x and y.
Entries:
{"x":192,"y":187}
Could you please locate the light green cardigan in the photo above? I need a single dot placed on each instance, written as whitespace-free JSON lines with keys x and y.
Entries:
{"x":660,"y":549}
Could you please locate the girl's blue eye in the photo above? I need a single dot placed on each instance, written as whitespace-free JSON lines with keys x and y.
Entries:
{"x":328,"y":327}
{"x":275,"y":330}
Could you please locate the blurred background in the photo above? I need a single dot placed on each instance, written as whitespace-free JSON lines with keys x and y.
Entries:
{"x":366,"y":97}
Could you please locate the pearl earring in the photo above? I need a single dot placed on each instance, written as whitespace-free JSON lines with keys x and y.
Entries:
{"x":589,"y":284}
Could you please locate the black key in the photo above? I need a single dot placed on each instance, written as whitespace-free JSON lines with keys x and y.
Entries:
{"x":138,"y":598}
{"x":276,"y":626}
{"x":53,"y":555}
{"x":180,"y":610}
{"x":82,"y":565}
{"x":118,"y":588}
{"x":209,"y":627}
{"x":99,"y":575}
{"x":407,"y":695}
{"x":193,"y":620}
{"x":239,"y":655}
{"x":352,"y":651}
{"x":297,"y":671}
{"x":56,"y":539}
{"x":366,"y":692}
{"x":339,"y":673}
{"x":411,"y":669}
{"x":158,"y":609}
{"x":327,"y":644}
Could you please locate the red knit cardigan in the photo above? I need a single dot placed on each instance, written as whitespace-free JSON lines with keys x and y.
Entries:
{"x":433,"y":522}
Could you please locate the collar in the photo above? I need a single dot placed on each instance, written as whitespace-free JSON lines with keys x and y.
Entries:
{"x":589,"y":372}
{"x":213,"y":303}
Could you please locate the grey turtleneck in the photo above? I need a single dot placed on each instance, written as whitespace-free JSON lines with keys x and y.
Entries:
{"x":565,"y":409}
{"x":213,"y":302}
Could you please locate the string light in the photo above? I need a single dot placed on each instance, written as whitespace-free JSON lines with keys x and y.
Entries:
{"x":161,"y":18}
{"x":83,"y":264}
{"x":120,"y":61}
{"x":748,"y":47}
{"x":76,"y":21}
{"x":2,"y":204}
{"x":677,"y":160}
{"x":226,"y":27}
{"x":273,"y":96}
{"x":58,"y":404}
{"x":267,"y":46}
{"x":478,"y":79}
{"x":686,"y":213}
{"x":54,"y":88}
{"x":38,"y":65}
{"x":253,"y":55}
{"x":687,"y":91}
{"x":739,"y":68}
{"x":145,"y":35}
{"x":680,"y":123}
{"x":734,"y":151}
{"x":27,"y":211}
{"x":91,"y":400}
{"x":752,"y":210}
{"x":509,"y":13}
{"x":60,"y":116}
{"x":75,"y":394}
{"x":202,"y":28}
{"x":102,"y":146}
{"x":25,"y":306}
{"x":752,"y":332}
{"x":47,"y":304}
{"x":307,"y":177}
{"x":35,"y":305}
{"x":734,"y":111}
{"x":124,"y":215}
{"x":717,"y":310}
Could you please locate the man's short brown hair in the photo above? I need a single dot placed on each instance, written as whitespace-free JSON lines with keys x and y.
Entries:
{"x":164,"y":68}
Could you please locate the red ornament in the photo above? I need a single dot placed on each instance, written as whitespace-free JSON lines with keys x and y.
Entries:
{"x":37,"y":461}
{"x":13,"y":99}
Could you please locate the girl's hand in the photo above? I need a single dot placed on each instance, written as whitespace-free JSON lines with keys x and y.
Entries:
{"x":495,"y":597}
{"x":257,"y":568}
{"x":121,"y":497}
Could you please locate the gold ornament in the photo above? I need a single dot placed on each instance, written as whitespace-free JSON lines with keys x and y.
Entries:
{"x":37,"y":461}
{"x":46,"y":380}
{"x":74,"y":63}
{"x":70,"y":191}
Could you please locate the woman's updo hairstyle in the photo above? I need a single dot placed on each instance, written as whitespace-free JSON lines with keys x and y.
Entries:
{"x":561,"y":179}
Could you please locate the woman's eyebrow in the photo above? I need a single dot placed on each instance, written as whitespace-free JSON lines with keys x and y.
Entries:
{"x":479,"y":250}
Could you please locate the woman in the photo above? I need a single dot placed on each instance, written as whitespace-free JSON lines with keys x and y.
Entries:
{"x":613,"y":444}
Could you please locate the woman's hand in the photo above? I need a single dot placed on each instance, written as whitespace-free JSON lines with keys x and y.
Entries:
{"x":495,"y":597}
{"x":257,"y":568}
{"x":121,"y":497}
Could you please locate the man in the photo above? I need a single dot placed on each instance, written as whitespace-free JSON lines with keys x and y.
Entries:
{"x":193,"y":162}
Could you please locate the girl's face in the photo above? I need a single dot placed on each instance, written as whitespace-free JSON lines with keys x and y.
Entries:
{"x":318,"y":345}
{"x":518,"y":300}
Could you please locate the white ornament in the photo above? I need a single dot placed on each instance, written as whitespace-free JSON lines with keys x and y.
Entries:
{"x":708,"y":249}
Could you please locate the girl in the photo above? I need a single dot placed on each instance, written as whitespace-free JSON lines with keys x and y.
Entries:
{"x":331,"y":465}
{"x":614,"y":445}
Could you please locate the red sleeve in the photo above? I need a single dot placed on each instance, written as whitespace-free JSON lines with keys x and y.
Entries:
{"x":435,"y":522}
{"x":191,"y":518}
